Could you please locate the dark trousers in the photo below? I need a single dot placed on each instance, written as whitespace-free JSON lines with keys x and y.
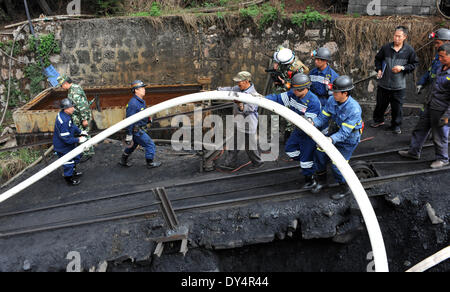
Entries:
{"x":300,"y":147}
{"x":322,"y":159}
{"x":429,"y":122}
{"x":386,"y":97}
{"x":250,"y":145}
{"x":69,"y":166}
{"x":143,"y":139}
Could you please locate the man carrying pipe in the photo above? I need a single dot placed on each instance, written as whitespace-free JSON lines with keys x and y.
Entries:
{"x":136,"y":133}
{"x":83,"y":114}
{"x":346,"y":113}
{"x":65,"y":140}
{"x":300,"y":146}
{"x":245,"y":123}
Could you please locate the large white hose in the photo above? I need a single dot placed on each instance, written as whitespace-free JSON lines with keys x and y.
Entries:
{"x":370,"y":219}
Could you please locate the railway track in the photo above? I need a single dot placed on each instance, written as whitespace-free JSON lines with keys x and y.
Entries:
{"x":281,"y":183}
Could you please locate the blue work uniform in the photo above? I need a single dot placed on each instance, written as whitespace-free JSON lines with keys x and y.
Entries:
{"x":320,"y":81}
{"x":64,"y":140}
{"x":347,"y":117}
{"x":430,"y":75}
{"x":140,"y":136}
{"x":437,"y":106}
{"x":300,"y":146}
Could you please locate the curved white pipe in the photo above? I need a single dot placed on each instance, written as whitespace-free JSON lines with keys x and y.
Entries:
{"x":359,"y":193}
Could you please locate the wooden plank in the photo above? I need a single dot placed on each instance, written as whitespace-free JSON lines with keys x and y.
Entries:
{"x":51,"y":18}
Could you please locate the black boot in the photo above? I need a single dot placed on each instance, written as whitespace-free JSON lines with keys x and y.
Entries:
{"x":77,"y":173}
{"x":344,"y":192}
{"x":152,"y":164}
{"x":124,"y":160}
{"x":71,"y":181}
{"x":321,"y":182}
{"x":310,"y":182}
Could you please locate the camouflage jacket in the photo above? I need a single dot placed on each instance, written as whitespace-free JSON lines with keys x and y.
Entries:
{"x":287,"y":72}
{"x":82,"y":107}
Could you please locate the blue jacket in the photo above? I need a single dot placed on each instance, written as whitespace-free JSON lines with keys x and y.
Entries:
{"x":320,"y":81}
{"x":440,"y":93}
{"x":348,"y":118}
{"x":64,"y":139}
{"x":430,"y":75}
{"x":134,"y":106}
{"x":308,"y":106}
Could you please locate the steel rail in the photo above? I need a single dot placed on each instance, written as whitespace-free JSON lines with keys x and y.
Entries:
{"x":297,"y":193}
{"x":201,"y":181}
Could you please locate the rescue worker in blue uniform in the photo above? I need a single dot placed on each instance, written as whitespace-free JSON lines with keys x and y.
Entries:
{"x":136,"y":133}
{"x":300,"y":146}
{"x":435,"y":117}
{"x":346,"y":113}
{"x":322,"y":75}
{"x":66,"y":137}
{"x":440,"y":37}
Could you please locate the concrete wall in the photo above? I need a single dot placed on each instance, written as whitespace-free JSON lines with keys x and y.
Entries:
{"x":392,"y":7}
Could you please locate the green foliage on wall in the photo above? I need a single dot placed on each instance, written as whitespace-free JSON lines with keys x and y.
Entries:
{"x":308,"y":17}
{"x":43,"y":48}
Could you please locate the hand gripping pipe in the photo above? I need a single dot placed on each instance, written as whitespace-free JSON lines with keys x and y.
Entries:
{"x":370,"y":219}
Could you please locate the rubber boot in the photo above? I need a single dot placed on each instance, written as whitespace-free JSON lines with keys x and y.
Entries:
{"x":152,"y":164}
{"x":345,"y":191}
{"x":124,"y":160}
{"x":310,"y":182}
{"x":71,"y":181}
{"x":321,"y":182}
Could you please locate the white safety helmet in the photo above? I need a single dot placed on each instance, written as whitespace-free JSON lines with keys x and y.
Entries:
{"x":284,"y":56}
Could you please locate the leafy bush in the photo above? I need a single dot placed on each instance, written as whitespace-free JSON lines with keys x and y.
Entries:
{"x":155,"y":9}
{"x":265,"y":15}
{"x":309,"y":16}
{"x":44,"y":48}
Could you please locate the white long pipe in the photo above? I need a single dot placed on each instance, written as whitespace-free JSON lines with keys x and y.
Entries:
{"x":370,"y":219}
{"x":431,"y":261}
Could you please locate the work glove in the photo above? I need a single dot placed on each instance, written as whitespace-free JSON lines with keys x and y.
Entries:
{"x":84,"y":133}
{"x":443,"y":122}
{"x":419,"y":88}
{"x":129,"y":139}
{"x":331,"y":140}
{"x":310,"y":120}
{"x":83,"y":139}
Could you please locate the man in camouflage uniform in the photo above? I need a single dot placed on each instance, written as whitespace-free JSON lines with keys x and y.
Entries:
{"x":82,"y":115}
{"x":286,"y":65}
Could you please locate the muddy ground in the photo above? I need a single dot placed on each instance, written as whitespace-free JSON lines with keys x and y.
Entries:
{"x":330,"y":236}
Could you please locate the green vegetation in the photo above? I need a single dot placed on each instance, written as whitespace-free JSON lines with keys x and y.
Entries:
{"x":15,"y":95}
{"x":155,"y":9}
{"x":13,"y":162}
{"x":7,"y":48}
{"x":43,"y":48}
{"x":264,"y":15}
{"x":308,"y":17}
{"x":107,"y":7}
